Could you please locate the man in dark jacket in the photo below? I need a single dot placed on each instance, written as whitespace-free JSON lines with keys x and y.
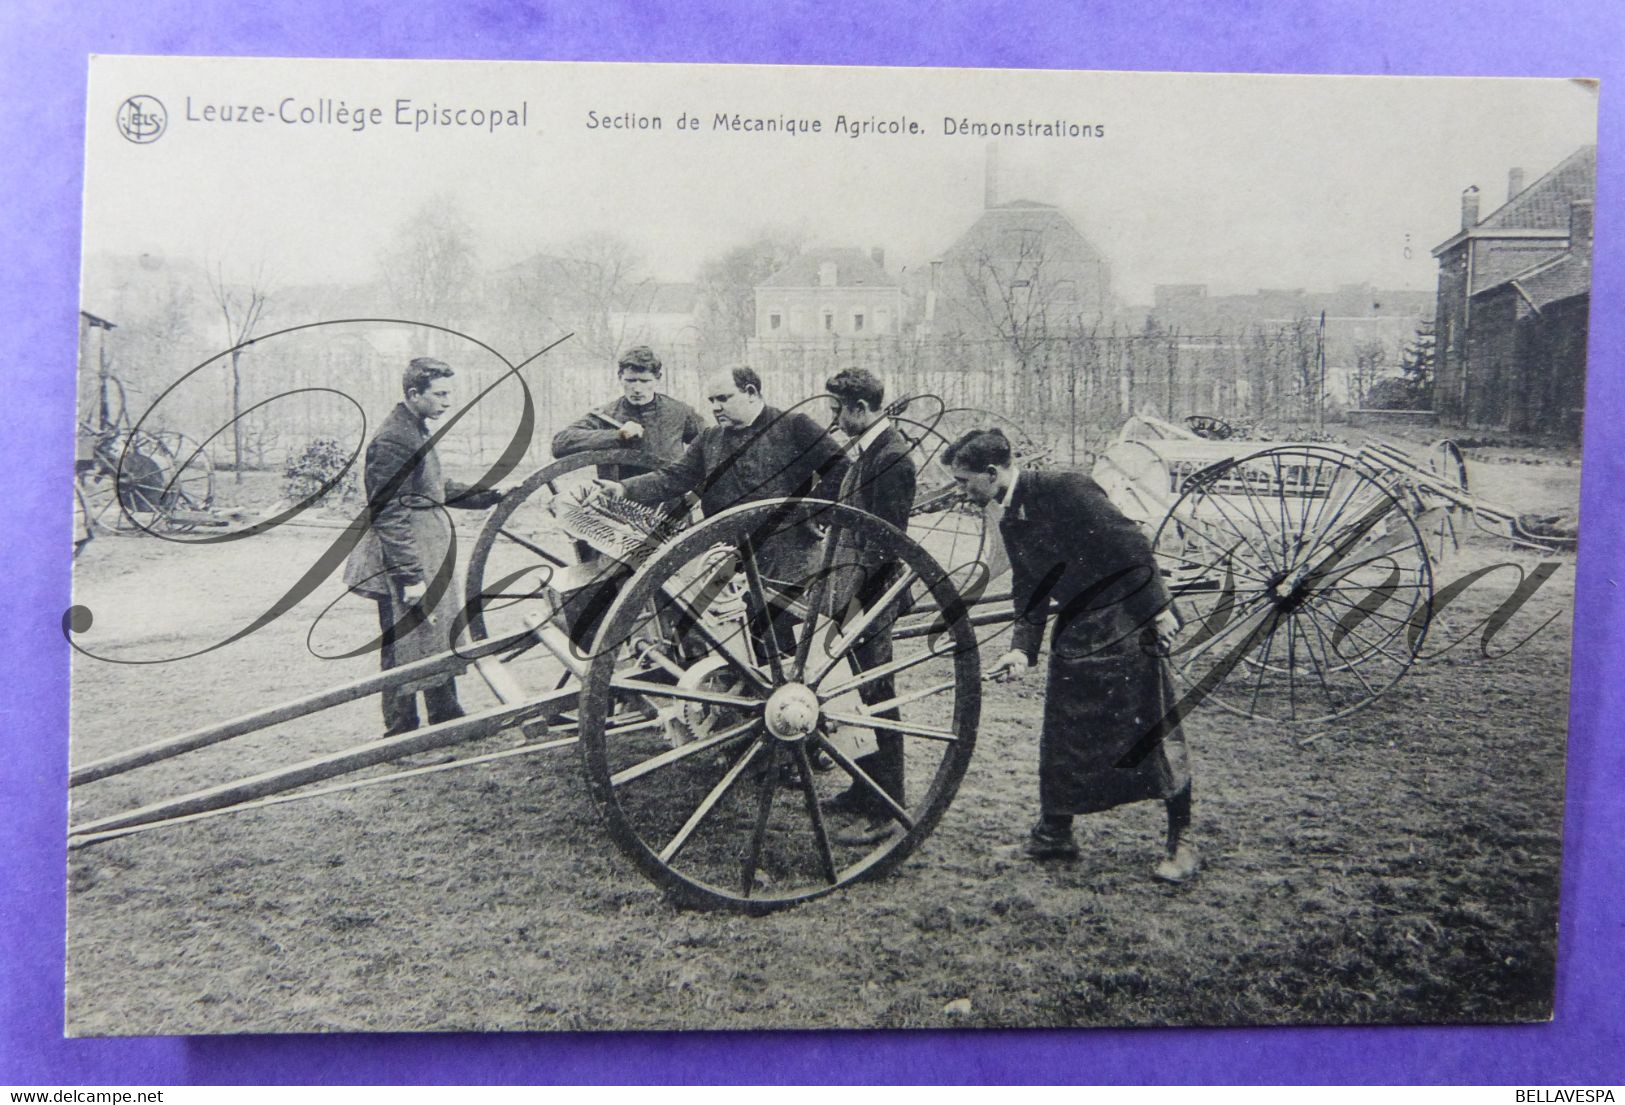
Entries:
{"x":1109,"y":684}
{"x":409,"y":542}
{"x":880,"y":482}
{"x":754,"y":452}
{"x":642,"y":418}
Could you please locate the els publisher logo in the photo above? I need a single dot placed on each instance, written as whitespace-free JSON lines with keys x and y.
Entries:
{"x":142,"y":119}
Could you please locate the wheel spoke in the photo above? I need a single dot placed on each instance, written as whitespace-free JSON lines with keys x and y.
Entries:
{"x":1250,"y":619}
{"x":709,"y":803}
{"x":1264,"y":558}
{"x":911,"y":696}
{"x":1321,"y":667}
{"x":852,"y":633}
{"x":1353,"y":666}
{"x":1291,"y":673}
{"x":1263,"y":663}
{"x":868,"y":721}
{"x":767,"y":787}
{"x":1373,"y":611}
{"x":826,"y":859}
{"x":758,"y":595}
{"x":880,"y":671}
{"x":676,"y":755}
{"x":1353,"y":631}
{"x":815,"y":607}
{"x":724,"y":648}
{"x":687,"y":694}
{"x":1228,"y":563}
{"x":861,"y":777}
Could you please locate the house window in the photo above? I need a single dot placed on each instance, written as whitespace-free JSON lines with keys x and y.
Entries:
{"x":774,"y":321}
{"x":882,"y":320}
{"x":829,"y":320}
{"x":857,"y":323}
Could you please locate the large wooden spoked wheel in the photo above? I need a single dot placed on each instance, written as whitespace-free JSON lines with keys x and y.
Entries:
{"x":731,"y":811}
{"x":1303,"y":585}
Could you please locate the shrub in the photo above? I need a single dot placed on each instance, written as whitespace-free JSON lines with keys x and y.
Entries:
{"x":305,"y":475}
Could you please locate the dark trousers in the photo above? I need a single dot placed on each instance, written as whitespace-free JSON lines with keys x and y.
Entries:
{"x":401,"y":707}
{"x":885,"y":764}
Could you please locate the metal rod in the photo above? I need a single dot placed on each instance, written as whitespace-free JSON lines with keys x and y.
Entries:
{"x":453,"y":661}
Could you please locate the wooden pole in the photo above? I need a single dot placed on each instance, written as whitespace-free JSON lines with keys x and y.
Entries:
{"x":315,"y":770}
{"x":454,"y":661}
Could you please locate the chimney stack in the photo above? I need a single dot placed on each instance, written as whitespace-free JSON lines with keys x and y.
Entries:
{"x":990,"y":190}
{"x":878,"y":256}
{"x":1580,"y":218}
{"x":1514,"y":183}
{"x":1469,"y":208}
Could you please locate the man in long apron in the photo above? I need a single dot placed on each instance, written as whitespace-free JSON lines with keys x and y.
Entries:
{"x":1105,"y":740}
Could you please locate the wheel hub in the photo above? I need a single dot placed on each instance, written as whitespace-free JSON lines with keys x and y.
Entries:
{"x":792,"y":712}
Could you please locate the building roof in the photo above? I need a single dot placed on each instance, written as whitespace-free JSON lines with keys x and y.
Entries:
{"x":853,"y":268}
{"x":1062,"y":239}
{"x":1540,"y":210}
{"x":1551,"y":281}
{"x":1544,"y":205}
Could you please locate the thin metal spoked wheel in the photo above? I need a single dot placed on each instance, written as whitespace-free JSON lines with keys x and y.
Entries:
{"x":735,"y":817}
{"x":1303,"y":584}
{"x":123,"y":485}
{"x":188,"y":479}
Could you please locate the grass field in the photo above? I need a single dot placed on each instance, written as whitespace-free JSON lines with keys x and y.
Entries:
{"x":1398,"y":866}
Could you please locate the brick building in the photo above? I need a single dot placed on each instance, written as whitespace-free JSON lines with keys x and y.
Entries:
{"x":1513,"y":304}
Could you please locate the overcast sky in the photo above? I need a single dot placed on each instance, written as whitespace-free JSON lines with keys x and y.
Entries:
{"x":1235,"y":182}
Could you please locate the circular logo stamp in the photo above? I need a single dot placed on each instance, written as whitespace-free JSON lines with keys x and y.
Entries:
{"x":142,"y":119}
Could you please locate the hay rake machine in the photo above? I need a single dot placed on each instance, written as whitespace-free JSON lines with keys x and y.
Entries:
{"x":715,"y":708}
{"x":1303,"y":574}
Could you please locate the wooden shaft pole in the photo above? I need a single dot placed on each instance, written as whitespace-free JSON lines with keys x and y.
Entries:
{"x":453,"y":661}
{"x":334,"y":763}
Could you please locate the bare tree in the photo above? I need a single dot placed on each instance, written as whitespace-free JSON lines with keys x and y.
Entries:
{"x":1370,"y":358}
{"x":242,"y":307}
{"x":604,"y":289}
{"x":728,"y":283}
{"x":1014,"y":291}
{"x":430,"y":265}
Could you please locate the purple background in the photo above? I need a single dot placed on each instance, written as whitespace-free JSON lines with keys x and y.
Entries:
{"x":41,"y":120}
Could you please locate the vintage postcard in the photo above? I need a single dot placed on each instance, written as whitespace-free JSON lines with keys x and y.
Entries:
{"x":586,"y":546}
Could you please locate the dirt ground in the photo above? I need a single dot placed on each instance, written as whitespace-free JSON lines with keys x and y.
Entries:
{"x":1400,"y":865}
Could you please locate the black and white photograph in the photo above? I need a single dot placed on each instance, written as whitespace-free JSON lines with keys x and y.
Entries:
{"x":584,"y":546}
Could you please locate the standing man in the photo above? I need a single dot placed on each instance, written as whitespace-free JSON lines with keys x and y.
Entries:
{"x":754,"y":452}
{"x":1109,"y":683}
{"x":409,"y":543}
{"x":642,"y":418}
{"x":880,"y":482}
